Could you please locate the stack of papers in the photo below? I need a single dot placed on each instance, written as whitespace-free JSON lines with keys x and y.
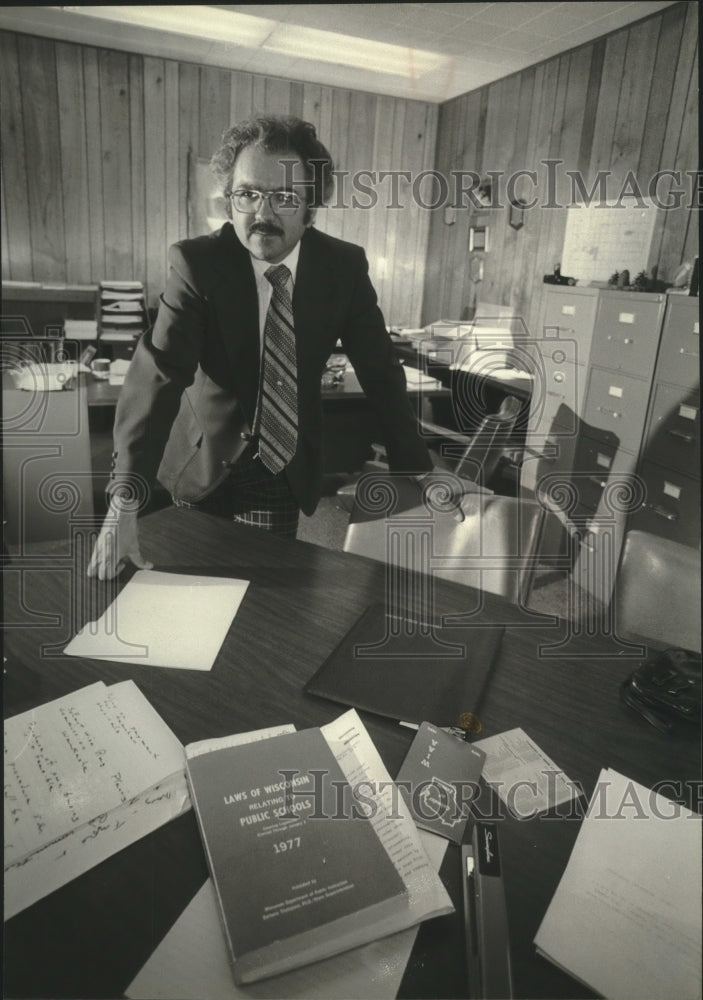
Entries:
{"x":414,"y":377}
{"x":118,"y":371}
{"x":85,"y":776}
{"x":44,"y":376}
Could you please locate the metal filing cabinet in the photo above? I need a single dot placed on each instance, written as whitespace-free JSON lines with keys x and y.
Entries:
{"x":561,"y":351}
{"x":597,"y":421}
{"x":621,"y":364}
{"x":669,"y":466}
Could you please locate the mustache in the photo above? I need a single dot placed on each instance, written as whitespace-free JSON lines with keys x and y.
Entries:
{"x":265,"y":229}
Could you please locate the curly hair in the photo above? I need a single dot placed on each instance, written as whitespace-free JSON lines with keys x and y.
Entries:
{"x":277,"y":134}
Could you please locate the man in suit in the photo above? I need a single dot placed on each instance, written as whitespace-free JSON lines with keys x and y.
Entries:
{"x":222,"y":401}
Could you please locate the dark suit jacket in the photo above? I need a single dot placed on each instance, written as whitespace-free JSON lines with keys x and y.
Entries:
{"x":189,"y":398}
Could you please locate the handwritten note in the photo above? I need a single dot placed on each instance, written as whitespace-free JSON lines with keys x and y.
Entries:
{"x":84,"y":775}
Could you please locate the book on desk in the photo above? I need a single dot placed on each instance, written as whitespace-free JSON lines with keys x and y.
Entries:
{"x":301,"y":871}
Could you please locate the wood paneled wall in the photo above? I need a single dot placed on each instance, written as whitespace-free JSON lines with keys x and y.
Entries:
{"x":95,"y":147}
{"x":627,"y":102}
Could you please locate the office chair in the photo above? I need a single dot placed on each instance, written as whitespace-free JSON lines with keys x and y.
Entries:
{"x":478,"y":455}
{"x":47,"y":465}
{"x":658,"y":591}
{"x":478,"y":539}
{"x":472,"y":457}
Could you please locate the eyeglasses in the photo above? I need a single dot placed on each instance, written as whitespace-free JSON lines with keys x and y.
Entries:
{"x":281,"y":202}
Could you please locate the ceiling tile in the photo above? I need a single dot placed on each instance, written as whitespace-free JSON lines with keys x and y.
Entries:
{"x":509,"y":15}
{"x":554,"y":23}
{"x":475,"y":31}
{"x":482,"y":42}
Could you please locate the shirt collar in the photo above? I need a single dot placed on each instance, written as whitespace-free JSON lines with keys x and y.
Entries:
{"x":291,"y":262}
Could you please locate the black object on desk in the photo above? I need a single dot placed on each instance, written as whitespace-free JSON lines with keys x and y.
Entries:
{"x":393,"y":664}
{"x":486,"y":916}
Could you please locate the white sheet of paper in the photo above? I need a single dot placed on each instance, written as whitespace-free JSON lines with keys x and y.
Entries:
{"x":524,"y":777}
{"x":362,"y":766}
{"x":191,"y":962}
{"x":84,"y":775}
{"x":164,"y":620}
{"x":626,"y":916}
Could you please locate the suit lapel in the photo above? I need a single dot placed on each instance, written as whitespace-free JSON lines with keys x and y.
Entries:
{"x":238,"y":308}
{"x":313,"y":297}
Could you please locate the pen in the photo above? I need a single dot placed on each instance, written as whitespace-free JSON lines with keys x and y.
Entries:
{"x":473,"y":966}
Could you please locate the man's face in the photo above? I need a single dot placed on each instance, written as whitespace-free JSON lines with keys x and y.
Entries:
{"x":267,"y":235}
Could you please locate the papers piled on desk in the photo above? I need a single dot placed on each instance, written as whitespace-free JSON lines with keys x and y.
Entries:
{"x":118,"y":371}
{"x":44,"y":376}
{"x":85,"y":776}
{"x":414,"y":377}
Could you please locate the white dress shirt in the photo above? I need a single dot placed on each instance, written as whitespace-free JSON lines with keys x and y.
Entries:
{"x":264,"y":288}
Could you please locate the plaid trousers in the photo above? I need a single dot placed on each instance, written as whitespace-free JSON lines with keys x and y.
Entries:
{"x":252,"y":495}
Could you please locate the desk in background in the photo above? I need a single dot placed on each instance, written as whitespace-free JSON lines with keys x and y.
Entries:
{"x":350,"y":425}
{"x":90,"y":938}
{"x":472,"y":392}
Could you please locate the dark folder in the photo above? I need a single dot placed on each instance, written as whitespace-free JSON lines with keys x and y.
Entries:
{"x":394,"y":664}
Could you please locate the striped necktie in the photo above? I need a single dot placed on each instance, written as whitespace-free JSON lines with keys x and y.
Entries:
{"x":278,"y":415}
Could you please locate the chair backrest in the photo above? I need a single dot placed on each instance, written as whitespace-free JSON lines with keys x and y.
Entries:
{"x":46,"y":463}
{"x":485,"y":541}
{"x":658,"y":591}
{"x":489,"y":442}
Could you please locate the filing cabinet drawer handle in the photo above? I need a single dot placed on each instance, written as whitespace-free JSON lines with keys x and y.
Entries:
{"x":662,"y":512}
{"x":681,"y":435}
{"x":688,"y":354}
{"x":611,"y":413}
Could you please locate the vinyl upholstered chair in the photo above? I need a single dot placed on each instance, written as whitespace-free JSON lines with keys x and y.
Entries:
{"x":47,"y":468}
{"x":658,"y":591}
{"x":478,"y":539}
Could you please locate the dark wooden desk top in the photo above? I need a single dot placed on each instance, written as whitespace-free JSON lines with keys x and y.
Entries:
{"x":91,"y":937}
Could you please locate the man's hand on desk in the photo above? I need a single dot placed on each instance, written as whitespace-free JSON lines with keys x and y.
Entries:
{"x":117,"y":544}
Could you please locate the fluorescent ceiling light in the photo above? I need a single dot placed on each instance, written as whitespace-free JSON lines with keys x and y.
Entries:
{"x":345,"y":50}
{"x":190,"y":19}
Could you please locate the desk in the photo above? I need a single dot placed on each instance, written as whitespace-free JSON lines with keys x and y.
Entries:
{"x":350,"y":424}
{"x":472,"y":394}
{"x":437,"y":356}
{"x":90,"y":938}
{"x":101,"y":393}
